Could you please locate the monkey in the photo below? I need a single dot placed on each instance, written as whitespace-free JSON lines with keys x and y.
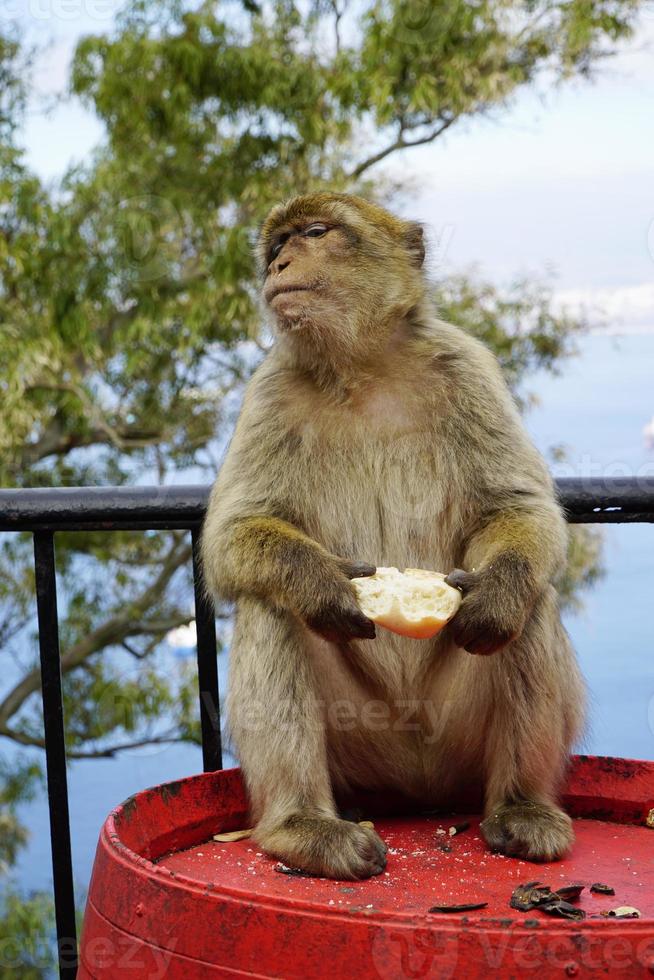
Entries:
{"x":373,"y":433}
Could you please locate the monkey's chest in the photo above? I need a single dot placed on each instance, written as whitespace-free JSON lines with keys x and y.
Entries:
{"x":386,"y":500}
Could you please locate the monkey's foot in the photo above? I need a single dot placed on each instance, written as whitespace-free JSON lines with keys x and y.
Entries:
{"x":325,"y":846}
{"x":533,"y":831}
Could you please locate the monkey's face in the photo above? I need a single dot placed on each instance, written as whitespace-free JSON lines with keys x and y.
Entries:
{"x":304,"y":284}
{"x":338,"y":273}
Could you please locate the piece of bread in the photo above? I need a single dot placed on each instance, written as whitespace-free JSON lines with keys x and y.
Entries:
{"x":414,"y":602}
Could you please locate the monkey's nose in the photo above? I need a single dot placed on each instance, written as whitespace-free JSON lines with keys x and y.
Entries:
{"x":280,"y":266}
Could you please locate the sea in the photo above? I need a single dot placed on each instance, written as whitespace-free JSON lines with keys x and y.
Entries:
{"x":595,"y":410}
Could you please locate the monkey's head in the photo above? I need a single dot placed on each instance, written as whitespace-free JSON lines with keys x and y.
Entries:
{"x":340,"y":274}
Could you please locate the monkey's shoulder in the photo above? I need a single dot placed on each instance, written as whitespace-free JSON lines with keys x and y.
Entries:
{"x":455,"y":353}
{"x":466,"y":372}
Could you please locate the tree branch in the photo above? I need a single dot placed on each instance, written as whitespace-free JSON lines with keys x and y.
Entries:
{"x":103,"y":431}
{"x":110,"y":633}
{"x":146,"y":651}
{"x":107,"y":753}
{"x":401,"y":144}
{"x":54,"y":443}
{"x":338,"y":13}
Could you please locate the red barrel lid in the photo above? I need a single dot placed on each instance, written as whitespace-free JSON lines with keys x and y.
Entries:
{"x":167,"y":901}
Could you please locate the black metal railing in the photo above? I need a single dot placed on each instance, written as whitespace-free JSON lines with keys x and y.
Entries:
{"x":45,"y":511}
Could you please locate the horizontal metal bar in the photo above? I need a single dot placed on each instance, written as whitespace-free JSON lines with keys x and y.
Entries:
{"x":612,"y":517}
{"x":172,"y":524}
{"x":615,"y":499}
{"x":102,"y":508}
{"x":585,"y":500}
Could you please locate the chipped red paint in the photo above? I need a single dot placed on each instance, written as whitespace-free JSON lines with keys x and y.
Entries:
{"x":166,"y":901}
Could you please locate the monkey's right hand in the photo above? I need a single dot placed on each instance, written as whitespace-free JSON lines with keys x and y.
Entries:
{"x":333,"y":611}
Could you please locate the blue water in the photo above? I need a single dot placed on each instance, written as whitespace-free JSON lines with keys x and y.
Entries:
{"x":597,"y":408}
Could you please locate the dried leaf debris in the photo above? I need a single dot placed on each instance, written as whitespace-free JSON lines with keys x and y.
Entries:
{"x":465,"y":907}
{"x":534,"y":895}
{"x":601,"y":889}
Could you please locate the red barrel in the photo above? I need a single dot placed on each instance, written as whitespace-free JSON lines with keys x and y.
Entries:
{"x":166,"y":901}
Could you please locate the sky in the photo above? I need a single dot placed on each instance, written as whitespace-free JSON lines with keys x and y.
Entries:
{"x":561,"y":186}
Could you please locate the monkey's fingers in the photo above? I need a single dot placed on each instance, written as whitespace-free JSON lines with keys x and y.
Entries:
{"x":480,"y":640}
{"x":485,"y":646}
{"x":359,"y":625}
{"x":343,"y":623}
{"x":459,"y":579}
{"x":353,"y":624}
{"x":357,"y":569}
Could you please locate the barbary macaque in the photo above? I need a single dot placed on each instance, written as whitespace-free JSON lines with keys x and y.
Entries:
{"x":374,"y":434}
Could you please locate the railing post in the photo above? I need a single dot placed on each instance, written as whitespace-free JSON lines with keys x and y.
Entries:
{"x":207,"y":653}
{"x":55,"y":753}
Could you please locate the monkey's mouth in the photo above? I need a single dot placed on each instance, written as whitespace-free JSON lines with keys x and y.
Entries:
{"x":281,"y":290}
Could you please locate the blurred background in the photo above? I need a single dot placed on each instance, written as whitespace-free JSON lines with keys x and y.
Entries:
{"x":140,"y":145}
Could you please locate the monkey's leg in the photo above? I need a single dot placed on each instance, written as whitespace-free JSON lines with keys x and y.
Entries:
{"x":537,"y":699}
{"x":277,"y":724}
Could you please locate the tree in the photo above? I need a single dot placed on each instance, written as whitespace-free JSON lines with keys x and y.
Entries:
{"x":128,"y":292}
{"x":25,"y":947}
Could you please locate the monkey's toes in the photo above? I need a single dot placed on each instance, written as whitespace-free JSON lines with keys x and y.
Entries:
{"x":532,"y":831}
{"x":326,"y":847}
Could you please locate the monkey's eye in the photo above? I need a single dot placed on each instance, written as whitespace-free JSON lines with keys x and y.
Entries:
{"x":278,"y":246}
{"x":315,"y":231}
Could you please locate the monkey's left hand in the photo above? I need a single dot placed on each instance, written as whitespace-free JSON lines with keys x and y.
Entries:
{"x":494,"y":609}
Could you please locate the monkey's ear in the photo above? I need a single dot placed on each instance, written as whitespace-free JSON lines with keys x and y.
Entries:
{"x":415,"y":244}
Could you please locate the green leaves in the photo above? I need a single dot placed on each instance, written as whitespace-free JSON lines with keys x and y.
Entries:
{"x":18,"y":784}
{"x":26,"y":928}
{"x":13,"y":87}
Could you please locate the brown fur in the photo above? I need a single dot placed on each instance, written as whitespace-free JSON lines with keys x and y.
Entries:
{"x":373,"y":432}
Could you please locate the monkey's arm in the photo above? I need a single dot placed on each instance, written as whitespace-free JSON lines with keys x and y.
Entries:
{"x":268,"y":558}
{"x":249,"y":549}
{"x":516,"y":541}
{"x":510,"y":562}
